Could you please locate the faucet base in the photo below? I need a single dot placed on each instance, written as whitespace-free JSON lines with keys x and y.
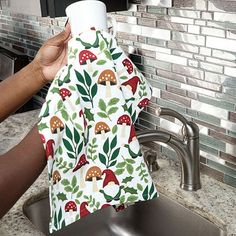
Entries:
{"x":190,"y":187}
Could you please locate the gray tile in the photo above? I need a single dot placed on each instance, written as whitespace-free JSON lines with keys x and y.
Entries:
{"x":189,"y":38}
{"x":230,"y":180}
{"x":187,"y":71}
{"x":216,"y":102}
{"x":222,"y":168}
{"x":212,"y":142}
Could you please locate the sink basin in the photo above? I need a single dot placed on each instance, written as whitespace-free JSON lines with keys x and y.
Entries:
{"x":158,"y":217}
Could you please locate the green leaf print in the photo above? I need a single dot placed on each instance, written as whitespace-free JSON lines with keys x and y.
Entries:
{"x":108,"y":54}
{"x":42,"y":126}
{"x":102,"y":105}
{"x":65,"y":115}
{"x":127,"y":179}
{"x":55,"y":90}
{"x":92,"y":150}
{"x":130,"y":169}
{"x":62,"y":197}
{"x":106,"y":146}
{"x":130,"y":190}
{"x":140,"y":187}
{"x":65,"y":182}
{"x":102,"y":158}
{"x":82,"y":90}
{"x":87,"y":78}
{"x":74,"y":182}
{"x":45,"y":113}
{"x":102,"y":45}
{"x":145,"y":193}
{"x":113,"y":142}
{"x":107,"y":109}
{"x":68,"y":133}
{"x":132,"y":198}
{"x":116,"y":55}
{"x":95,"y":73}
{"x":122,"y":199}
{"x":85,"y":87}
{"x":119,"y":171}
{"x":113,"y":101}
{"x":89,"y":115}
{"x":101,"y":62}
{"x":114,"y":129}
{"x":68,"y":145}
{"x":66,"y":79}
{"x":60,"y":105}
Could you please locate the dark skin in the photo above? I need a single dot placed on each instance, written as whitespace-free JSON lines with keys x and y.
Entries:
{"x":27,"y":159}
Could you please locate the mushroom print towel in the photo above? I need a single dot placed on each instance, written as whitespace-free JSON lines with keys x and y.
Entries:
{"x":87,"y":128}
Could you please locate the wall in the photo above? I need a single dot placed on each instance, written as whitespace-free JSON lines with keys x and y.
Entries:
{"x":188,"y":54}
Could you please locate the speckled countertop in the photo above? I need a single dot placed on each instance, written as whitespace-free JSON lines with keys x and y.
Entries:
{"x":215,"y":201}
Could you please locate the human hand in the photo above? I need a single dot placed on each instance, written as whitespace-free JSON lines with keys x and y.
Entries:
{"x":52,"y":56}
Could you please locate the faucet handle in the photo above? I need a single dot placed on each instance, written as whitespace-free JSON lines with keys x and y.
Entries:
{"x":189,"y":129}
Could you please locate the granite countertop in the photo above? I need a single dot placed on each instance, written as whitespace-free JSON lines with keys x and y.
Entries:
{"x":216,"y":201}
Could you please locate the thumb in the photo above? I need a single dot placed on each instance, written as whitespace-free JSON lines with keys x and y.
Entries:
{"x":61,"y":38}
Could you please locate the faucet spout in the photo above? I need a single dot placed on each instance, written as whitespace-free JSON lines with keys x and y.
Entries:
{"x":188,"y":153}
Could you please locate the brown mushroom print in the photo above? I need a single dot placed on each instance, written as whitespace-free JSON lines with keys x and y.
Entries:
{"x":81,"y":163}
{"x":124,"y":120}
{"x":102,"y":128}
{"x":56,"y":178}
{"x":94,"y":174}
{"x":56,"y":126}
{"x":65,"y":95}
{"x":107,"y":78}
{"x":86,"y":57}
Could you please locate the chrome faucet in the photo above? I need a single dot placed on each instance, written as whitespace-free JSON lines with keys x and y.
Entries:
{"x":187,"y":149}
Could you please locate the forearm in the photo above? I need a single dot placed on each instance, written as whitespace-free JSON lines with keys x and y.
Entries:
{"x":19,"y":168}
{"x":19,"y":88}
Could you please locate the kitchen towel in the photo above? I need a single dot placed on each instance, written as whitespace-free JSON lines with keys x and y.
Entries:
{"x":87,"y":129}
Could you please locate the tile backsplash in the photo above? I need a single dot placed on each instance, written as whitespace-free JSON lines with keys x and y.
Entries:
{"x":188,"y":54}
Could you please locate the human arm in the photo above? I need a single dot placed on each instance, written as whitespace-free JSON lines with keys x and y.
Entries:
{"x":20,"y":87}
{"x":19,"y":168}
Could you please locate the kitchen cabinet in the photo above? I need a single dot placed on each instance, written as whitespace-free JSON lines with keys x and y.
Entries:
{"x":54,"y":8}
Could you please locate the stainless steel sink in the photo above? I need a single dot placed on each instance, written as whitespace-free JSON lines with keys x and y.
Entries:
{"x":159,"y":217}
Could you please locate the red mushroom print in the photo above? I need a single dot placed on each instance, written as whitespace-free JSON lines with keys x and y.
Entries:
{"x":81,"y":113}
{"x":86,"y":57}
{"x":132,"y":135}
{"x":71,"y":208}
{"x":132,"y":84}
{"x":124,"y":120}
{"x":119,"y":208}
{"x":143,"y":103}
{"x":65,"y":95}
{"x":83,"y":209}
{"x":82,"y":162}
{"x":128,"y":64}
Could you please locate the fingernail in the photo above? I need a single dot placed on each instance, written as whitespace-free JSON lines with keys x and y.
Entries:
{"x":67,"y":22}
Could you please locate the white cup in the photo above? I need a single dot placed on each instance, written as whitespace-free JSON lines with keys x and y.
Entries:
{"x":87,"y":14}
